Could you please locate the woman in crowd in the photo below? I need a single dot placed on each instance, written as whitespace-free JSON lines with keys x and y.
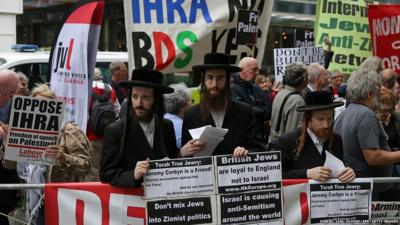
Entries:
{"x":176,"y":104}
{"x":269,"y":85}
{"x":389,"y":118}
{"x":72,"y":155}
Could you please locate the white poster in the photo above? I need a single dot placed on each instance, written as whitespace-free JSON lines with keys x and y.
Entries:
{"x":335,"y":202}
{"x":180,"y":177}
{"x":286,"y":56}
{"x":172,"y":36}
{"x":257,"y":171}
{"x":34,"y":125}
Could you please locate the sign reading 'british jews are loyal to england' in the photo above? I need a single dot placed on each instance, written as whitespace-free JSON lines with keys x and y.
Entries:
{"x":34,"y":125}
{"x":172,"y":36}
{"x":384,"y":23}
{"x":73,"y":58}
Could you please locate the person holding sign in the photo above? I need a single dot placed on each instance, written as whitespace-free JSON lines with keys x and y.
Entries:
{"x":8,"y":86}
{"x":140,"y":135}
{"x":217,"y":109}
{"x":309,"y":151}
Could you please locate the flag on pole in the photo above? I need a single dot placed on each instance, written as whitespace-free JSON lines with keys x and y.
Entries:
{"x":73,"y":58}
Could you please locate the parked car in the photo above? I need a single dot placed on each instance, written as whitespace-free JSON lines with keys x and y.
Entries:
{"x":35,"y":64}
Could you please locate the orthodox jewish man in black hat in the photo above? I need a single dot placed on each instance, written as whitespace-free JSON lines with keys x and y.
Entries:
{"x":304,"y":150}
{"x":140,"y":135}
{"x":218,"y":110}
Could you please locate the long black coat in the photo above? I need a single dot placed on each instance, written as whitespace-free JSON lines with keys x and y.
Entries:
{"x":239,"y":120}
{"x":309,"y":157}
{"x":117,"y":166}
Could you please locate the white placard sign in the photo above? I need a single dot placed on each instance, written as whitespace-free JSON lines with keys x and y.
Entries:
{"x":335,"y":202}
{"x":34,"y":125}
{"x":180,"y":177}
{"x":286,"y":56}
{"x":257,"y":171}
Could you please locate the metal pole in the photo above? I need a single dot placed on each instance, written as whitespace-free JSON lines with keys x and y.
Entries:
{"x":377,"y":180}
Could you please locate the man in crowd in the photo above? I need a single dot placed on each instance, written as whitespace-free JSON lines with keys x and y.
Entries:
{"x":217,"y":109}
{"x":304,"y":150}
{"x":119,"y":73}
{"x":318,"y":78}
{"x":99,"y":89}
{"x":364,"y":140}
{"x":244,"y":89}
{"x":141,"y":134}
{"x":284,"y":117}
{"x":389,"y":78}
{"x":336,"y":80}
{"x":9,"y":82}
{"x":23,"y":85}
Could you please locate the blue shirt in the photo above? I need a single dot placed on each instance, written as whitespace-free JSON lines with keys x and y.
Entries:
{"x":177,"y":121}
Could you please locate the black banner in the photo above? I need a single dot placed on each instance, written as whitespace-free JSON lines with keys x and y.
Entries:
{"x":250,"y":207}
{"x":180,"y":211}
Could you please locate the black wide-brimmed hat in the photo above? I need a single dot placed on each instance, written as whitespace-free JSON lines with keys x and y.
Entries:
{"x":146,"y":78}
{"x":317,"y":100}
{"x":215,"y":60}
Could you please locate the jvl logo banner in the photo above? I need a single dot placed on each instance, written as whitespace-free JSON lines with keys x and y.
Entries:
{"x":384,"y":23}
{"x":173,"y":36}
{"x":73,"y":58}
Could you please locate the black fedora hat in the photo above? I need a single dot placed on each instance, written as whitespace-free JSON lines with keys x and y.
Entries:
{"x":317,"y":100}
{"x":215,"y":60}
{"x":146,"y":78}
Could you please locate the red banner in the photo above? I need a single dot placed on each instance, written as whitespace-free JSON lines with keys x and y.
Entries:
{"x":93,"y":203}
{"x":384,"y":22}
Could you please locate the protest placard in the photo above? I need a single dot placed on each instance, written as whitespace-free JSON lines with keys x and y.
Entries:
{"x":172,"y":36}
{"x":386,"y":212}
{"x":385,"y":33}
{"x":345,"y":23}
{"x":246,"y":28}
{"x":184,"y":211}
{"x":286,"y":56}
{"x":335,"y":202}
{"x":257,"y":171}
{"x":34,"y":125}
{"x":180,"y":177}
{"x":250,"y":207}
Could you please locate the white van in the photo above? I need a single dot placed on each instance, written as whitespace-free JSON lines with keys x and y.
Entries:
{"x":35,"y":64}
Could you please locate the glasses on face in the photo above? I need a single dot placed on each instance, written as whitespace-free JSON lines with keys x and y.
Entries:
{"x":218,"y":78}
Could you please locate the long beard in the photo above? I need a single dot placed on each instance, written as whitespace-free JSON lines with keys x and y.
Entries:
{"x":145,"y":118}
{"x":215,"y":103}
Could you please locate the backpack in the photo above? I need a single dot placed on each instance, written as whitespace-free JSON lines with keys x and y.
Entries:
{"x":102,"y":112}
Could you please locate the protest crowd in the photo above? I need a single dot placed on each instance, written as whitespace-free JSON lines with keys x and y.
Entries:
{"x":313,"y":115}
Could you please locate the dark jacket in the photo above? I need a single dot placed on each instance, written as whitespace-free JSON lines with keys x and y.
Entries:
{"x":8,"y":197}
{"x":250,"y":93}
{"x":239,"y":120}
{"x":117,"y":166}
{"x":309,"y":157}
{"x":118,"y":90}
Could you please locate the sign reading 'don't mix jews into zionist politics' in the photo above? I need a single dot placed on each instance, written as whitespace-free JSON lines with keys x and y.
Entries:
{"x":345,"y":23}
{"x":172,"y":36}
